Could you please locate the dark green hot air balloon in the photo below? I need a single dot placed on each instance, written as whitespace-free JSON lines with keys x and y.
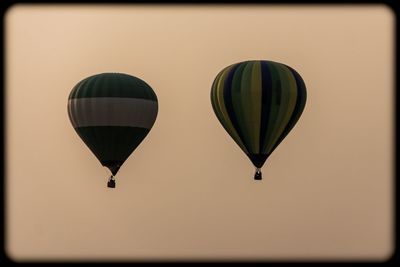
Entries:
{"x":258,"y":102}
{"x":112,"y":113}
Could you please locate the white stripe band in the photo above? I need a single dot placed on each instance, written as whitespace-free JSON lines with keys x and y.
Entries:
{"x":112,"y":111}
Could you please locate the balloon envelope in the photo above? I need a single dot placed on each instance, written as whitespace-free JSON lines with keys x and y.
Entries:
{"x":258,"y":102}
{"x":112,"y":113}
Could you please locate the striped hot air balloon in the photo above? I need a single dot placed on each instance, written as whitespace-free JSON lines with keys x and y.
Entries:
{"x":258,"y":102}
{"x":112,"y":113}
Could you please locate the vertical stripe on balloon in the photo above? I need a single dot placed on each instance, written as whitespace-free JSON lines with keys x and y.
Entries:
{"x":285,"y":106}
{"x":219,"y":107}
{"x":266,"y":89}
{"x":228,"y":101}
{"x":274,"y":106}
{"x":298,"y":109}
{"x":255,"y":104}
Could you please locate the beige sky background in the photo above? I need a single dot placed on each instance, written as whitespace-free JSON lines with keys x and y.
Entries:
{"x":187,"y":192}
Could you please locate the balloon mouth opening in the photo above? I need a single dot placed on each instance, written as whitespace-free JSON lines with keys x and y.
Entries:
{"x":113,"y":166}
{"x":258,"y":160}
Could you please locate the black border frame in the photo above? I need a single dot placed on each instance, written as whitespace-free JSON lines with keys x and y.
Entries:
{"x":392,"y":4}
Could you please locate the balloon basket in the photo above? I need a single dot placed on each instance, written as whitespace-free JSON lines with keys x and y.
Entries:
{"x":258,"y":175}
{"x":111,"y":182}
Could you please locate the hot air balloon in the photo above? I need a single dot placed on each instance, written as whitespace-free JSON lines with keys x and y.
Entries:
{"x":258,"y":102}
{"x":112,"y":113}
